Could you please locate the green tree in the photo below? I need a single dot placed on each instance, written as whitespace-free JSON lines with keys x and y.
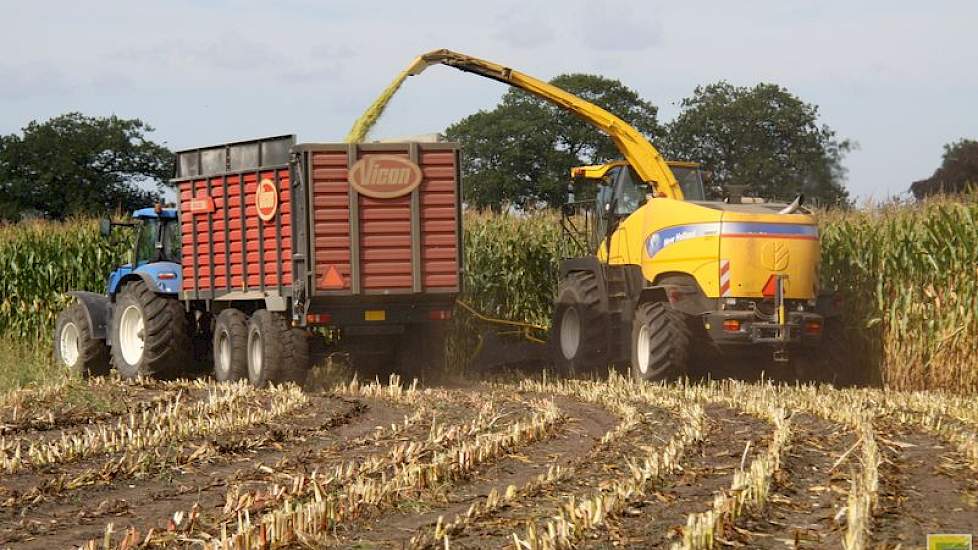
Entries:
{"x":522,"y":150}
{"x":74,"y":164}
{"x":764,"y":138}
{"x":958,"y":171}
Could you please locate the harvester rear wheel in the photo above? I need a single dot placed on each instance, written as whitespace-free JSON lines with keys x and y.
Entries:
{"x":578,"y":331}
{"x":74,"y":346}
{"x":230,"y":346}
{"x":150,"y":334}
{"x":660,"y":342}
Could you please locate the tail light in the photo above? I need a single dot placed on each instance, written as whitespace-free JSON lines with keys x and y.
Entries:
{"x":731,"y":325}
{"x":440,"y":314}
{"x":319,"y":318}
{"x":166,"y":275}
{"x":813,"y":328}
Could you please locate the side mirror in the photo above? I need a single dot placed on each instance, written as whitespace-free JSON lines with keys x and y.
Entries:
{"x":105,"y":227}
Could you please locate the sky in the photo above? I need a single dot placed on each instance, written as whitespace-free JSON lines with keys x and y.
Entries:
{"x":898,"y":78}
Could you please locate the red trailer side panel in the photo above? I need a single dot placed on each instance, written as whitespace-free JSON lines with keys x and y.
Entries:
{"x":227,"y":246}
{"x":384,"y":245}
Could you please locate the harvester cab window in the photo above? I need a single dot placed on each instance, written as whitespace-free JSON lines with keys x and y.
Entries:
{"x":630,"y":192}
{"x":691,"y":182}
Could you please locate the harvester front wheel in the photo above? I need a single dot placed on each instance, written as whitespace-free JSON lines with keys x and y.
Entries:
{"x":578,"y":330}
{"x":74,"y":346}
{"x":660,"y":343}
{"x":150,"y":334}
{"x":230,"y":346}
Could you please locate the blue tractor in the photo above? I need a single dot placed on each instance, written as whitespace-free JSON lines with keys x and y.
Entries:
{"x":138,"y":326}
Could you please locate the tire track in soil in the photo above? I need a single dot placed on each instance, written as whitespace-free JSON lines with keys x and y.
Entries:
{"x":926,"y":486}
{"x":585,"y":425}
{"x":807,"y":493}
{"x":659,"y":520}
{"x":150,"y":501}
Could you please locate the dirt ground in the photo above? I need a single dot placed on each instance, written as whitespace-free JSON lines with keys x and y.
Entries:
{"x":539,"y":464}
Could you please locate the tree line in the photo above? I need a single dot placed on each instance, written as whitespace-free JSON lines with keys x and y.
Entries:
{"x":763,"y":139}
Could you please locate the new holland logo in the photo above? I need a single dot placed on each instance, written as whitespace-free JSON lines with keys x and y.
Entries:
{"x":385,"y":176}
{"x":775,"y":256}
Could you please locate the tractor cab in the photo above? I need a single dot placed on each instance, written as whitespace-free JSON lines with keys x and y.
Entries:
{"x":156,"y":250}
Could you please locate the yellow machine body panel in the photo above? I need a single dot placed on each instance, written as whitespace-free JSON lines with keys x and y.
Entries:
{"x":665,"y":236}
{"x":732,"y":250}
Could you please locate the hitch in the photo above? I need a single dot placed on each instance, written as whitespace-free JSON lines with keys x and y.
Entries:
{"x":781,"y":353}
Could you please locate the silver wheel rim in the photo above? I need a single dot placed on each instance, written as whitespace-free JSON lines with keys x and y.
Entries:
{"x":131,"y":334}
{"x":254,"y":355}
{"x":570,"y":333}
{"x":68,"y":344}
{"x":643,"y":349}
{"x":224,"y":353}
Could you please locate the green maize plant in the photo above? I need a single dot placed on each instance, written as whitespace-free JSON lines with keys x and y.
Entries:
{"x":909,"y":277}
{"x":40,"y":261}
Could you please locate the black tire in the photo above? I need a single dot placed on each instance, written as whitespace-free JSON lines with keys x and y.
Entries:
{"x":267,"y":350}
{"x":831,"y":362}
{"x":578,"y":332}
{"x":230,"y":346}
{"x":421,"y":350}
{"x":666,"y":334}
{"x":74,"y":346}
{"x":296,"y":368}
{"x":167,"y":347}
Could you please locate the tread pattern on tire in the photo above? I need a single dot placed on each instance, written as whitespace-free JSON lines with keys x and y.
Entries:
{"x":580,"y":289}
{"x":93,"y":354}
{"x":167,"y":343}
{"x":669,"y":341}
{"x":296,"y":368}
{"x":235,"y":322}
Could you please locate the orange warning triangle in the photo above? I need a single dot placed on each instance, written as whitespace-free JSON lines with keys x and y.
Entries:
{"x":333,"y":279}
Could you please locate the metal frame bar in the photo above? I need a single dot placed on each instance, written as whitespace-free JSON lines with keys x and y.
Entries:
{"x":417,"y":274}
{"x":352,"y":153}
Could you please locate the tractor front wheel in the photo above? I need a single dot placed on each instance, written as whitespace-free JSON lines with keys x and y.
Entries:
{"x":74,"y":346}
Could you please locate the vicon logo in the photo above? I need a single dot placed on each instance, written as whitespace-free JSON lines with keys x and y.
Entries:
{"x":385,"y":176}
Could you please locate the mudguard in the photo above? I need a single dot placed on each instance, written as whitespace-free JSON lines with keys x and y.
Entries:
{"x":97,"y":308}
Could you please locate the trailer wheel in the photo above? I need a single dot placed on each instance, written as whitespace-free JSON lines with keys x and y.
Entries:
{"x":296,"y":369}
{"x":578,"y":328}
{"x":230,"y":346}
{"x":74,"y":346}
{"x":660,"y":342}
{"x":268,"y":352}
{"x":150,"y":334}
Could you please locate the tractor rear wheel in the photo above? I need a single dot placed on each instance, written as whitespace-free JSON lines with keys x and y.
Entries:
{"x":660,"y":342}
{"x":578,"y":330}
{"x":150,"y":334}
{"x":74,"y":346}
{"x":230,"y":346}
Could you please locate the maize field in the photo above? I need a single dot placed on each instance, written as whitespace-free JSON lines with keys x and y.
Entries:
{"x":529,"y":463}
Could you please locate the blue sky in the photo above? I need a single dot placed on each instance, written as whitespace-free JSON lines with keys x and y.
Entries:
{"x":899,"y":78}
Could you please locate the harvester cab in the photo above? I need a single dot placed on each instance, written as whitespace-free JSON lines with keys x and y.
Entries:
{"x":658,"y":274}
